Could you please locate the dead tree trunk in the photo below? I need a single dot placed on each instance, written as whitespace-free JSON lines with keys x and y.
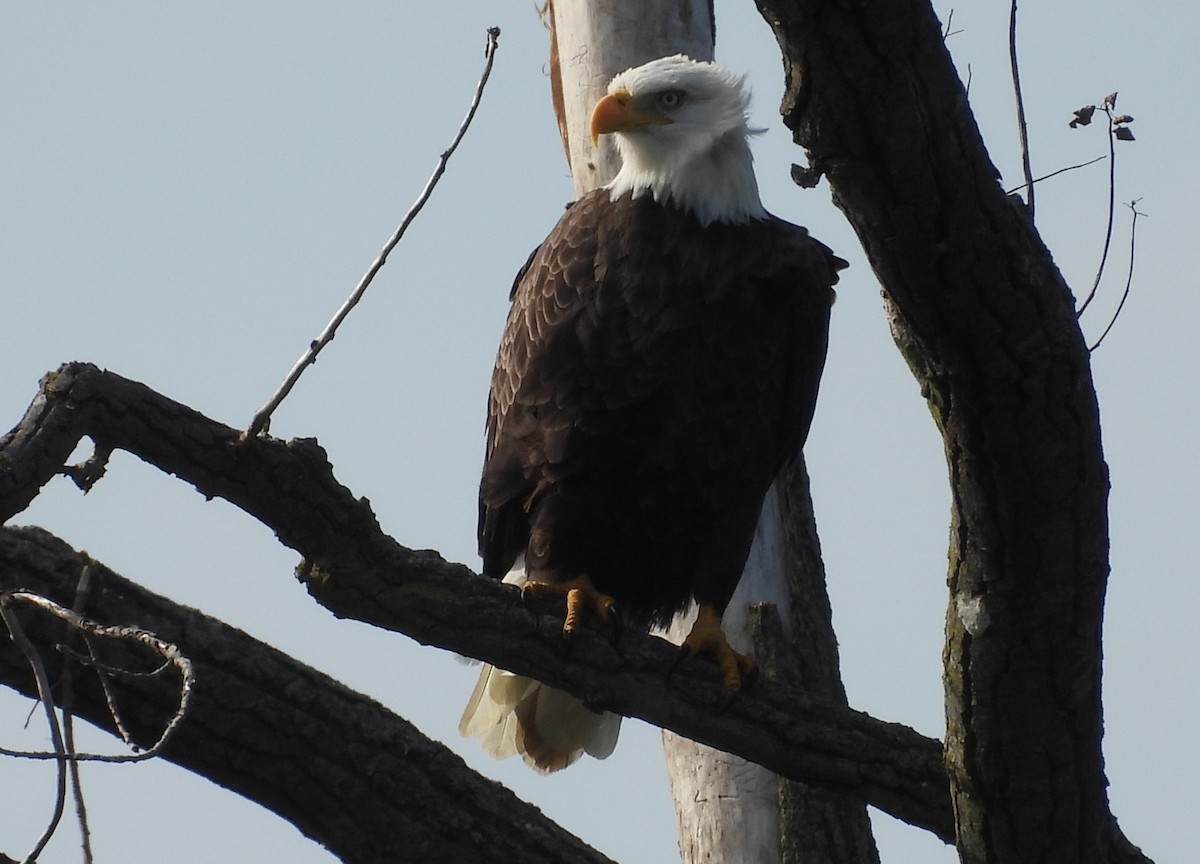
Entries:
{"x":728,"y":809}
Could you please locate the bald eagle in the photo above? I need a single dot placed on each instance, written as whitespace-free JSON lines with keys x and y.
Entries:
{"x":659,"y":364}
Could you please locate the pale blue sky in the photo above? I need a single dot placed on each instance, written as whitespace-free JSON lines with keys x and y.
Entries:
{"x":190,"y":190}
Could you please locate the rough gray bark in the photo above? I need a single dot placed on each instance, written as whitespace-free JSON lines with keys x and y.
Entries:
{"x":988,"y":327}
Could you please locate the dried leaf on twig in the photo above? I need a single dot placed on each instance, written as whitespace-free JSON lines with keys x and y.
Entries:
{"x":1083,"y":116}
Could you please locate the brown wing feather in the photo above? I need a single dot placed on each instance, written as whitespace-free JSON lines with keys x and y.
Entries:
{"x":651,"y":379}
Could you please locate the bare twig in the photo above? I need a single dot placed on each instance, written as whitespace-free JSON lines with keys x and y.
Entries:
{"x":1132,"y":205}
{"x":17,"y":632}
{"x":1022,"y":129}
{"x":82,"y":590}
{"x":1109,"y":103}
{"x":168,"y":651}
{"x":93,"y":662}
{"x":263,"y":417}
{"x":1056,"y":173}
{"x":946,"y":31}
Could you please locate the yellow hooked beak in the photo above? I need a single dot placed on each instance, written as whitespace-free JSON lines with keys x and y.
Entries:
{"x":615,"y":113}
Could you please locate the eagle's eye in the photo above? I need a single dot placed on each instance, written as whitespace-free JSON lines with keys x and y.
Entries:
{"x":670,"y":98}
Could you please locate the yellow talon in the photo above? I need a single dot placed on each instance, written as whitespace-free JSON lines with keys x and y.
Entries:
{"x":708,"y":639}
{"x":581,"y":595}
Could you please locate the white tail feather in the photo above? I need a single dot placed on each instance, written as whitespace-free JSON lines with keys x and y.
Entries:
{"x":550,"y":729}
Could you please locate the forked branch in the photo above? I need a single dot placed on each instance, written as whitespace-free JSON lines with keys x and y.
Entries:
{"x":1118,"y":130}
{"x":1135,"y":213}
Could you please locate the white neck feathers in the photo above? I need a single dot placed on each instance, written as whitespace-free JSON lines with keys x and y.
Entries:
{"x":716,"y":185}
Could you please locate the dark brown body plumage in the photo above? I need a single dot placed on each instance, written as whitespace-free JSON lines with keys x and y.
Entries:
{"x":652,"y":377}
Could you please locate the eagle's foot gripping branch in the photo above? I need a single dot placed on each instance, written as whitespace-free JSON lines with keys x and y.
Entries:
{"x":708,"y":639}
{"x":582,"y":599}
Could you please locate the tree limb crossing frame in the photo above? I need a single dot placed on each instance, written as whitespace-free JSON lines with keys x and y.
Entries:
{"x":357,"y":571}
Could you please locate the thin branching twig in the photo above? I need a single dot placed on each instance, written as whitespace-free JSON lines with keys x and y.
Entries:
{"x":947,"y":32}
{"x":1109,"y":103}
{"x":1055,"y":174}
{"x":82,"y":591}
{"x":62,"y":737}
{"x":64,"y":752}
{"x":263,"y":417}
{"x":1132,"y":205}
{"x":1022,"y":129}
{"x":164,"y":649}
{"x":46,"y":699}
{"x":76,"y":781}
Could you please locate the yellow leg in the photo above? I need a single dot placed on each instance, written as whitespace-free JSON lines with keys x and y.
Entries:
{"x":581,"y":596}
{"x":708,"y":639}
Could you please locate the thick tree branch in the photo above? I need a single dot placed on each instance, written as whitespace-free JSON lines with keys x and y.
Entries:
{"x":357,"y":571}
{"x":987,"y":325}
{"x":343,"y":769}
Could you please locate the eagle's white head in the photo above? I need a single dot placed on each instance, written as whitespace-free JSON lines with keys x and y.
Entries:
{"x":680,"y":127}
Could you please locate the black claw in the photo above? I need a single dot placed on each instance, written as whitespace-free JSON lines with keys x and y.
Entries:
{"x":568,"y":641}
